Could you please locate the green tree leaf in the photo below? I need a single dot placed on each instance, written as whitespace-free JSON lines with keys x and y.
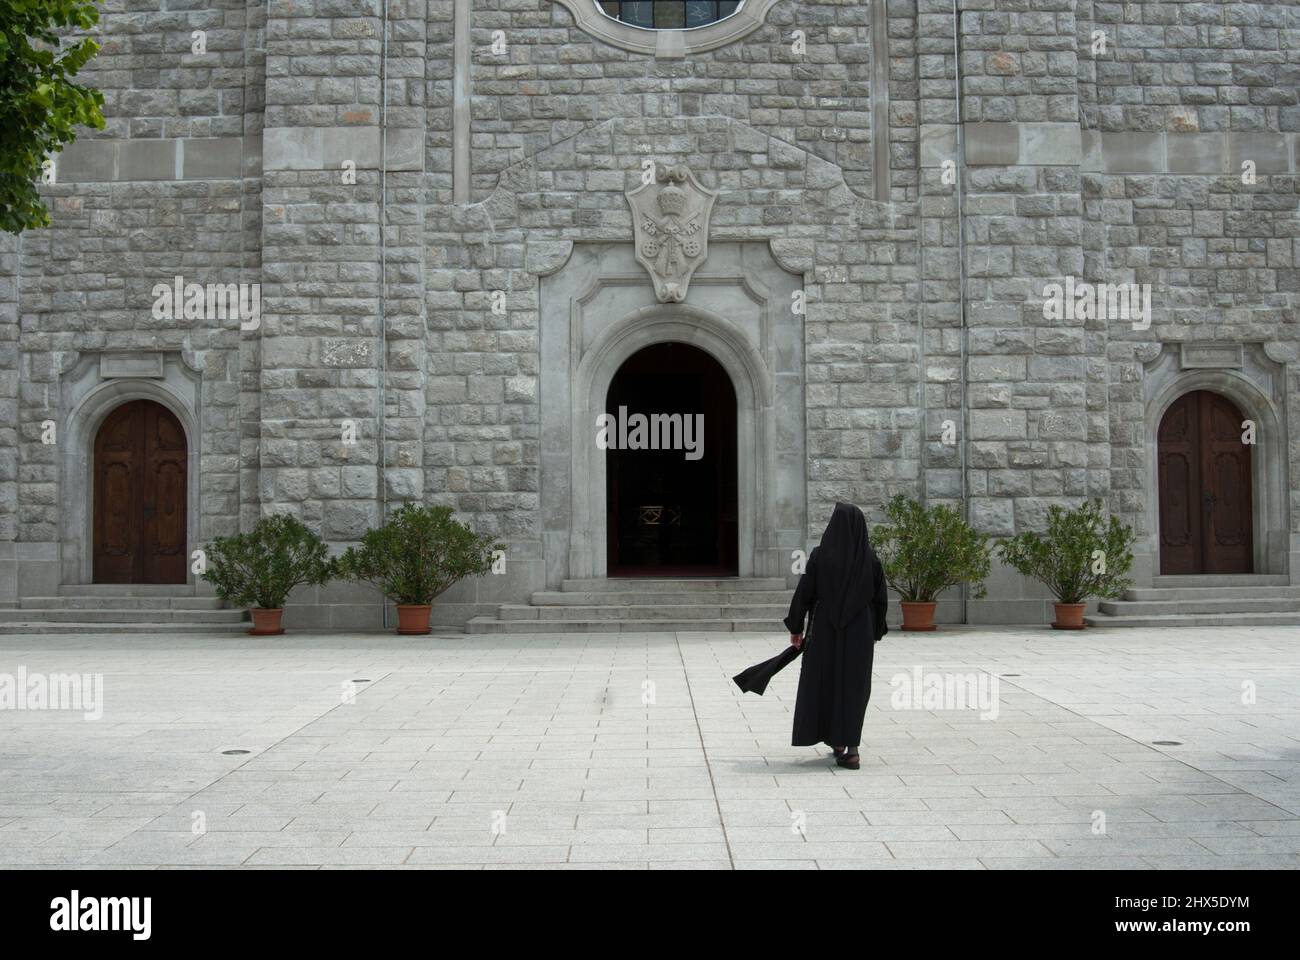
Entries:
{"x":40,"y":105}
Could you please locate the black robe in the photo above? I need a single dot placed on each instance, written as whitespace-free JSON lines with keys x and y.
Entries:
{"x":835,"y":679}
{"x":756,"y":678}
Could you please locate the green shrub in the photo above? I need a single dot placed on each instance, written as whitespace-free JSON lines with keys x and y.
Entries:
{"x":924,"y":551}
{"x":1081,"y":555}
{"x":259,"y":568}
{"x":417,"y":554}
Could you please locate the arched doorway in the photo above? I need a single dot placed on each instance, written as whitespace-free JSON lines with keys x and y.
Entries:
{"x":1205,"y":487}
{"x":671,"y":469}
{"x":140,"y":489}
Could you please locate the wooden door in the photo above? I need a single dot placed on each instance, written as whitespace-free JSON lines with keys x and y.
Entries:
{"x":1206,"y":516}
{"x":139,"y":526}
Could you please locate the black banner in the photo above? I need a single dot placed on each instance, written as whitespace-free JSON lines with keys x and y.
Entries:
{"x":926,"y":910}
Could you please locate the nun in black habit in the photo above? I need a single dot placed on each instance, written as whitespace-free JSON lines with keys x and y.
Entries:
{"x":843,"y":586}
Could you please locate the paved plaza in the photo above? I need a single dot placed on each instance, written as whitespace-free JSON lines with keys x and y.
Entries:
{"x":637,"y":751}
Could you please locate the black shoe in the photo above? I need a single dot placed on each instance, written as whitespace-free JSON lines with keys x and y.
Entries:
{"x":848,"y":761}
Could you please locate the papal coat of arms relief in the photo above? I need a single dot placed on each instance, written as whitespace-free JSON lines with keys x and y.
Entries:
{"x":670,"y":225}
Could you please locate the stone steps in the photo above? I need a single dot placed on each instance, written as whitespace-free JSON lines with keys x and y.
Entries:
{"x":122,"y":608}
{"x":1222,"y":580}
{"x":127,"y":590}
{"x":1211,"y":593}
{"x":110,"y":615}
{"x":1198,"y":620}
{"x":669,"y":585}
{"x":634,"y":604}
{"x":1162,"y":607}
{"x":585,"y":598}
{"x":1204,"y":601}
{"x":121,"y":603}
{"x":642,"y":611}
{"x":41,"y":627}
{"x":489,"y":625}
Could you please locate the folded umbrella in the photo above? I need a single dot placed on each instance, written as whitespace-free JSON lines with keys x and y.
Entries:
{"x":756,"y":678}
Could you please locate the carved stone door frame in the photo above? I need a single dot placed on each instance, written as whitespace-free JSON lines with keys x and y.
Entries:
{"x":89,"y":390}
{"x":599,"y":308}
{"x":1255,"y":382}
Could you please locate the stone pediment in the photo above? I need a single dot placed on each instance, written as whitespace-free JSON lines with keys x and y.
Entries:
{"x":813,"y":182}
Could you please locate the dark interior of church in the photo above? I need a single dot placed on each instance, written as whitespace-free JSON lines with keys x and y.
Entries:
{"x":670,"y":514}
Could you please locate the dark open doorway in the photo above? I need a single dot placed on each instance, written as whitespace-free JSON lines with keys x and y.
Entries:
{"x":669,"y":514}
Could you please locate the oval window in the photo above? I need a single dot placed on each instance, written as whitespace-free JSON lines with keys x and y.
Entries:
{"x":668,"y":14}
{"x":668,"y":28}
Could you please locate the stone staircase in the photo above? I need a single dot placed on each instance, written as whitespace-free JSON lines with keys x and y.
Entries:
{"x":1204,"y":601}
{"x":639,"y":604}
{"x":122,"y":608}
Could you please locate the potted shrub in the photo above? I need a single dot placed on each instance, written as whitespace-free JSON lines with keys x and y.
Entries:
{"x":1081,"y":555}
{"x":415,"y":556}
{"x":258,"y":569}
{"x":924,"y":551}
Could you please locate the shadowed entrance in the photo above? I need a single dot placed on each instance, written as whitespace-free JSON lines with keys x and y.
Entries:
{"x":671,"y":511}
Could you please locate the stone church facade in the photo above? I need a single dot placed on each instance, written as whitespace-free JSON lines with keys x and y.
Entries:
{"x":470,"y":223}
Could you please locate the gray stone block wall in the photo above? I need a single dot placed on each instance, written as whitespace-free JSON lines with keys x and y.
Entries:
{"x":1193,"y":66}
{"x":904,"y":65}
{"x":86,"y":282}
{"x":553,"y":80}
{"x":388,"y":303}
{"x":321,"y":274}
{"x":87,"y":285}
{"x":155,"y":86}
{"x":9,"y":423}
{"x":481,"y":434}
{"x":1189,"y":92}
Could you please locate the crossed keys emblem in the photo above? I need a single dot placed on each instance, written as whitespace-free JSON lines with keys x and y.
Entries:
{"x":670,"y":223}
{"x":670,"y":242}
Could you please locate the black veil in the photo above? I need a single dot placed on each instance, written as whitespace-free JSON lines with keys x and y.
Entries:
{"x":845,"y":566}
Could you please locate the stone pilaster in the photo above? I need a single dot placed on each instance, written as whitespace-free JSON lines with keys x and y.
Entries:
{"x":321,"y":267}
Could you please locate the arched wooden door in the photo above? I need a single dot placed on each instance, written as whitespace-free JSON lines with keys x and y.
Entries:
{"x":141,"y":460}
{"x":1206,"y":518}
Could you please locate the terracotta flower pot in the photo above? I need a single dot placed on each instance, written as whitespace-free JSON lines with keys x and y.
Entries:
{"x":413,"y":618}
{"x":1069,"y":616}
{"x":918,"y":616}
{"x":266,"y":623}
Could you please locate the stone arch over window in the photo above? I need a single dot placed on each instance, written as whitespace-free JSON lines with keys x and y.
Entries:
{"x":631,"y":24}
